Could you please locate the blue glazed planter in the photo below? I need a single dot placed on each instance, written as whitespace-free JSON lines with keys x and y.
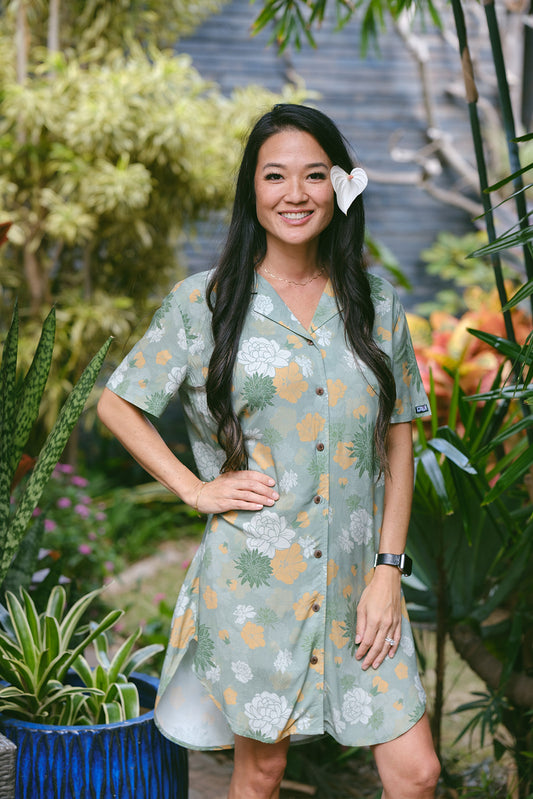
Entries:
{"x":127,"y":760}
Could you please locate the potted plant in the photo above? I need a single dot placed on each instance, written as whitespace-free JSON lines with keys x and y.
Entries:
{"x":94,"y":741}
{"x":80,"y":730}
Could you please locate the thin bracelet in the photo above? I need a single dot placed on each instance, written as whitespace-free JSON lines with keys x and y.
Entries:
{"x":204,"y":483}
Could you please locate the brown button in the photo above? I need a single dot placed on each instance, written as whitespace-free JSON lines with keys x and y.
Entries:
{"x":313,"y":660}
{"x":318,"y":553}
{"x":317,"y":499}
{"x":315,"y":607}
{"x":319,"y":391}
{"x":320,"y":447}
{"x":310,"y":342}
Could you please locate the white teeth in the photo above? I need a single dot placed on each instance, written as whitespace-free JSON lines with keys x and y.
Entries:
{"x":295,"y":214}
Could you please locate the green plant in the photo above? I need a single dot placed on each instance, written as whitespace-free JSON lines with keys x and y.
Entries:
{"x":19,"y":409}
{"x":37,"y":651}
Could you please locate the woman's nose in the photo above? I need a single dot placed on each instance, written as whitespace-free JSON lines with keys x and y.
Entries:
{"x":296,"y":191}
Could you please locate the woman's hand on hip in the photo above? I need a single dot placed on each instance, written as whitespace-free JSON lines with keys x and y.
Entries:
{"x":246,"y":490}
{"x":379,"y":618}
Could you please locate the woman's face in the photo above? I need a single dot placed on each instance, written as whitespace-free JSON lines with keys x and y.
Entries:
{"x":293,"y":191}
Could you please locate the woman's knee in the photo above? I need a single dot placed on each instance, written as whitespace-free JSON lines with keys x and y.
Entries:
{"x":269,"y":770}
{"x":425,"y":773}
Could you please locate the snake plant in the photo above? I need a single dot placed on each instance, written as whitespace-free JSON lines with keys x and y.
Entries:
{"x":19,"y":409}
{"x":39,"y":653}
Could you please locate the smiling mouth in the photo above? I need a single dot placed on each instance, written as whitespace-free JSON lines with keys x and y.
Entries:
{"x":295,"y":214}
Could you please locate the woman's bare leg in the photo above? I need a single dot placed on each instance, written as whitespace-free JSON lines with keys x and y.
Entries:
{"x":408,"y":766}
{"x":258,"y":769}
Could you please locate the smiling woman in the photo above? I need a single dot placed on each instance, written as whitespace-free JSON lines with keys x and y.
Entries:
{"x":298,"y":380}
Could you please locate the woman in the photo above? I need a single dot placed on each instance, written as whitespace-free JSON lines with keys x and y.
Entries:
{"x":298,"y":381}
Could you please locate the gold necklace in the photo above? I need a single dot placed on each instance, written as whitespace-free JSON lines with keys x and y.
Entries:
{"x":294,"y":282}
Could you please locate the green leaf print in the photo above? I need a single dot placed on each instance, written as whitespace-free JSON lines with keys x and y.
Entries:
{"x":155,"y":403}
{"x":377,"y":718}
{"x":318,"y":465}
{"x":267,"y":617}
{"x":350,"y":623}
{"x":271,"y":437}
{"x":187,"y":324}
{"x":204,"y":650}
{"x":254,"y":568}
{"x":362,"y":449}
{"x":258,"y":392}
{"x":347,"y":682}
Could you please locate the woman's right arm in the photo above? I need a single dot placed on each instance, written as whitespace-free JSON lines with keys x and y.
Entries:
{"x":246,"y":490}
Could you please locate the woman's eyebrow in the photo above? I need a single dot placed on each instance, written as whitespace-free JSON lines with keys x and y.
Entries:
{"x":272,"y":165}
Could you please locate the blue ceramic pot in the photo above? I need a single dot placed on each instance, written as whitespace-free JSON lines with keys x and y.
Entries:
{"x":126,"y":760}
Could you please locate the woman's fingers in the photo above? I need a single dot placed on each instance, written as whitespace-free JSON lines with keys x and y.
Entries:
{"x":247,"y":490}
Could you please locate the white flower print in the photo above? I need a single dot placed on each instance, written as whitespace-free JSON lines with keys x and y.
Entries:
{"x":352,"y":362}
{"x":323,"y":336}
{"x":181,"y":603}
{"x":338,"y":724}
{"x":213,"y":675}
{"x":383,"y":307}
{"x":361,"y":526}
{"x":356,"y":707}
{"x":345,"y":541}
{"x":262,"y":356}
{"x":242,"y":671}
{"x":201,"y":404}
{"x":243,"y":612}
{"x":155,"y":333}
{"x":420,"y":689}
{"x":304,"y":722}
{"x":283,"y":660}
{"x":182,"y":339}
{"x":198,"y":345}
{"x":268,"y":532}
{"x":406,"y":643}
{"x":262,"y":305}
{"x":208,"y":460}
{"x":175,"y":379}
{"x":288,"y":480}
{"x":308,"y":545}
{"x":305,"y":364}
{"x":118,"y":375}
{"x":267,"y":713}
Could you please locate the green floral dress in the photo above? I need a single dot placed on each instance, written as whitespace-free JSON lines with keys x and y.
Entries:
{"x":262,"y":639}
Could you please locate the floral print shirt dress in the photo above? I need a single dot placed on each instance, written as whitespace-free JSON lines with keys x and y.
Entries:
{"x":262,"y":639}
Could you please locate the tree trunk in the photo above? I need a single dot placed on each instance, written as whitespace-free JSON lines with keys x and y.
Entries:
{"x":53,"y":27}
{"x":21,"y":42}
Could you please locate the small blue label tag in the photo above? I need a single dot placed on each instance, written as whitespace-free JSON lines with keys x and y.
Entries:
{"x":421,"y":408}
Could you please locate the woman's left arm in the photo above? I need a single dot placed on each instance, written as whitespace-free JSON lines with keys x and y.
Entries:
{"x":379,"y":611}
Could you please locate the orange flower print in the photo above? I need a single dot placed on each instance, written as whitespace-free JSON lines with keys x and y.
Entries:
{"x":290,"y":383}
{"x":303,"y":607}
{"x":370,"y":390}
{"x":139,"y":360}
{"x":162,"y":357}
{"x":384,"y":334}
{"x":230,"y":696}
{"x":347,"y":591}
{"x":337,"y":634}
{"x":195,"y":585}
{"x":302,"y":519}
{"x":381,"y":684}
{"x":262,"y":456}
{"x":323,"y":486}
{"x":335,"y":391}
{"x":407,"y":377}
{"x":362,"y":410}
{"x":195,"y":295}
{"x":342,"y":456}
{"x":319,"y":665}
{"x":252,"y":635}
{"x":333,"y":568}
{"x":230,"y":516}
{"x":401,"y":671}
{"x":143,"y":383}
{"x":343,"y":481}
{"x":295,"y":341}
{"x":338,"y":660}
{"x":210,"y":598}
{"x":398,"y":406}
{"x":183,"y":629}
{"x":288,"y":564}
{"x":224,"y":636}
{"x":310,"y":426}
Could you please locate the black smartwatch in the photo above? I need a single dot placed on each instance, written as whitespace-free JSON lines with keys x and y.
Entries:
{"x":403,"y":562}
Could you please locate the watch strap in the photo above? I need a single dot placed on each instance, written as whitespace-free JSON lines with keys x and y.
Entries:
{"x":403,"y":562}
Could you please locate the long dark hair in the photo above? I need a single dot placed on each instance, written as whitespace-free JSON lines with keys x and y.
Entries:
{"x":230,"y":287}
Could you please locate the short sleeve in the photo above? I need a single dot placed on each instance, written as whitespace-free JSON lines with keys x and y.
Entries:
{"x":152,"y":373}
{"x":411,"y":399}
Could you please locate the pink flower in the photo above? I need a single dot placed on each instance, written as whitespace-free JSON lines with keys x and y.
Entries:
{"x":66,"y":468}
{"x":82,"y":510}
{"x":109,"y":566}
{"x":79,"y":481}
{"x":92,"y":536}
{"x":64,"y":502}
{"x":37,"y":512}
{"x":84,"y":549}
{"x":100,"y":517}
{"x":159,"y":598}
{"x":49,"y":526}
{"x":185,"y":564}
{"x":85,"y":499}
